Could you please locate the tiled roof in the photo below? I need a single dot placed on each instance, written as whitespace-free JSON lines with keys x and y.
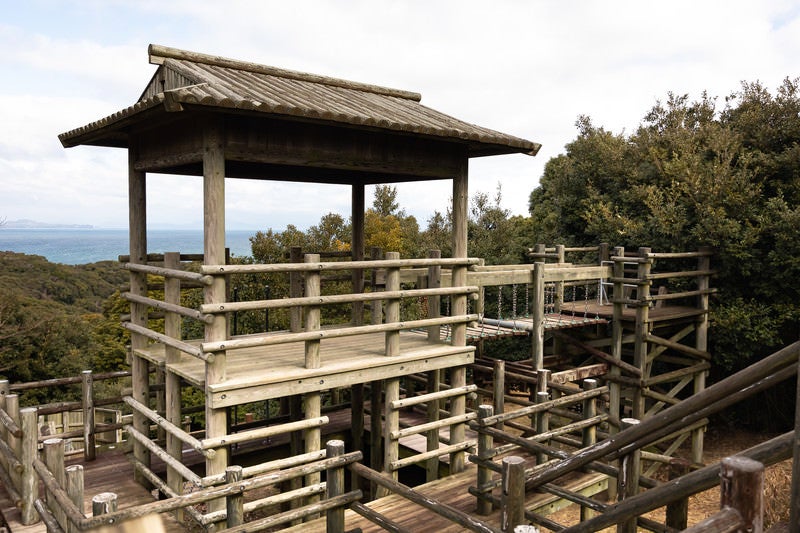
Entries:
{"x":187,"y":78}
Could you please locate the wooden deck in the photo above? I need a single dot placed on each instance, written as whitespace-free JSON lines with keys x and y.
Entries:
{"x":275,"y":371}
{"x":110,"y":472}
{"x":664,"y":313}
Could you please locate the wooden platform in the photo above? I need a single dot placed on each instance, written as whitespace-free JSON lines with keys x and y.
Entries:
{"x":655,"y":314}
{"x":110,"y":472}
{"x":266,"y":372}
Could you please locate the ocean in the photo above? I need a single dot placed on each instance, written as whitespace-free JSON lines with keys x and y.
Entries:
{"x":80,"y":246}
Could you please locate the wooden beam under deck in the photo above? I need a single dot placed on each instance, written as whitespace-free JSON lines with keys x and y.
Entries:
{"x":262,"y":373}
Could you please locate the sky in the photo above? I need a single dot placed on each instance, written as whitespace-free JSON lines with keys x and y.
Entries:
{"x":526,"y":68}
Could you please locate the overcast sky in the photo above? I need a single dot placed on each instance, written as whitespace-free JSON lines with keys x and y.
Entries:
{"x":527,"y":68}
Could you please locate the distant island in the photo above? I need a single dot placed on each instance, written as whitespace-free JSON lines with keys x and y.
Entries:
{"x":32,"y":224}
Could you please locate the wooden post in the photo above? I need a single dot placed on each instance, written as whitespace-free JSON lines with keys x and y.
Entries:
{"x":642,"y":328}
{"x":589,"y":435}
{"x":74,"y":488}
{"x":137,"y":229}
{"x":701,"y":343}
{"x":357,"y":248}
{"x":391,"y":423}
{"x":485,"y":443}
{"x":499,"y":389}
{"x":542,"y":424}
{"x":334,"y":518}
{"x":678,"y":511}
{"x":617,"y":331}
{"x":312,"y":407}
{"x":794,"y":510}
{"x":376,"y":307}
{"x":357,"y":427}
{"x":742,"y":488}
{"x":87,"y":400}
{"x":234,"y":504}
{"x":434,"y":302}
{"x":172,"y":381}
{"x":104,"y":503}
{"x":512,"y":500}
{"x":538,"y":313}
{"x":392,"y":306}
{"x":602,"y":253}
{"x":295,"y":290}
{"x":4,"y":433}
{"x":432,"y":438}
{"x":12,"y":409}
{"x":458,"y":375}
{"x":30,"y":480}
{"x":54,"y":460}
{"x":628,"y":482}
{"x":312,"y":313}
{"x":214,"y":254}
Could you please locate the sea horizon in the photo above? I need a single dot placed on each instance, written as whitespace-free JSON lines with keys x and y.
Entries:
{"x":77,"y":246}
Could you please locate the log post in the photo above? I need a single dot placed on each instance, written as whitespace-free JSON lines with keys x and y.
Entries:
{"x":30,"y":481}
{"x":295,"y":290}
{"x":391,"y":416}
{"x":432,"y":437}
{"x":794,"y":510}
{"x":357,"y":249}
{"x":742,"y":488}
{"x":172,"y":381}
{"x":538,"y":314}
{"x":701,"y":343}
{"x":87,"y":401}
{"x":392,"y":306}
{"x":12,"y":409}
{"x":642,"y":328}
{"x":4,"y":433}
{"x":617,"y":332}
{"x":234,"y":503}
{"x":628,"y":481}
{"x":54,"y":460}
{"x":512,"y":500}
{"x":312,"y":401}
{"x":458,"y":375}
{"x":357,"y":427}
{"x":485,"y":443}
{"x":499,"y":390}
{"x":589,"y":434}
{"x":678,"y":511}
{"x":104,"y":503}
{"x":334,"y":518}
{"x":376,"y":307}
{"x":74,"y":488}
{"x":312,"y":313}
{"x":375,"y":430}
{"x":434,"y":302}
{"x":542,"y":424}
{"x":137,"y":229}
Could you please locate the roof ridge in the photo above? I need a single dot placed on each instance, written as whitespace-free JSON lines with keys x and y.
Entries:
{"x":159,"y":54}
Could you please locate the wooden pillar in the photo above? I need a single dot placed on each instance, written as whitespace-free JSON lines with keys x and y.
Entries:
{"x":73,"y":476}
{"x":54,"y":460}
{"x":458,"y":375}
{"x":87,"y":403}
{"x":538,"y":314}
{"x":234,"y":504}
{"x":334,"y":518}
{"x":485,"y":443}
{"x":741,"y":487}
{"x":617,"y":332}
{"x":432,"y":438}
{"x":295,"y":290}
{"x":30,"y":480}
{"x":376,"y":307}
{"x":512,"y":500}
{"x":357,"y":249}
{"x":499,"y":390}
{"x":701,"y":343}
{"x":589,"y":435}
{"x":357,"y":426}
{"x":642,"y":328}
{"x":794,"y":510}
{"x":312,"y":401}
{"x":172,"y":381}
{"x":628,"y":481}
{"x":137,"y":234}
{"x":391,"y":417}
{"x":15,"y":443}
{"x":677,"y":515}
{"x":214,"y":254}
{"x":434,"y":302}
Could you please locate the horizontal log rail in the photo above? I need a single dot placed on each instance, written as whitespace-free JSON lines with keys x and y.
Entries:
{"x":322,"y":334}
{"x":543,"y":436}
{"x":424,"y":456}
{"x":424,"y":398}
{"x":539,"y":407}
{"x":185,"y":347}
{"x":169,"y":427}
{"x":270,"y":466}
{"x":46,"y":383}
{"x":169,"y":273}
{"x":684,"y":274}
{"x":261,"y":433}
{"x":277,"y":499}
{"x":678,"y":295}
{"x":442,"y":509}
{"x":168,"y":307}
{"x":283,"y":303}
{"x":436,"y":424}
{"x":335,"y":265}
{"x":183,"y":470}
{"x":159,"y":258}
{"x":378,"y":519}
{"x":680,"y":255}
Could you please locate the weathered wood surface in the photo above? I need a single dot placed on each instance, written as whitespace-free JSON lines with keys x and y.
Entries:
{"x":274,"y":371}
{"x":110,"y":472}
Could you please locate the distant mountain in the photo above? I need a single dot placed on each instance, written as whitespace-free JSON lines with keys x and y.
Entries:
{"x":32,"y":224}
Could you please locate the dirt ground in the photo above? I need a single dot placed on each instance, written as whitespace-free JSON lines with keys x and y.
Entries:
{"x":719,"y":443}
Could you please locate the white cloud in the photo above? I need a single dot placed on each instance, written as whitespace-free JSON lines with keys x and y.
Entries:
{"x":527,"y":68}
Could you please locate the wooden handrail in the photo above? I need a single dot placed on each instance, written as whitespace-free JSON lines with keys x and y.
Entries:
{"x":335,"y":265}
{"x":169,"y":273}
